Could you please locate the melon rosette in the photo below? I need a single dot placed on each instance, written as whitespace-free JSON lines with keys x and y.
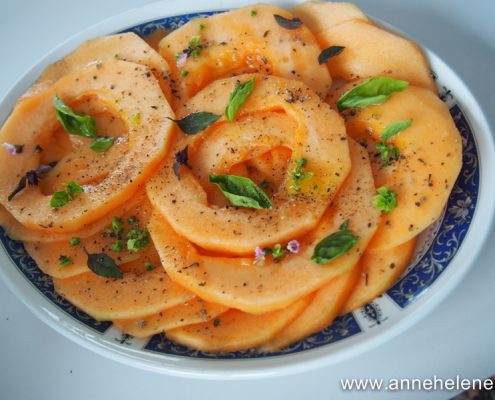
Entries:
{"x":237,"y":187}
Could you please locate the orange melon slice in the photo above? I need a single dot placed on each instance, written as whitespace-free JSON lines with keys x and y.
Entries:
{"x":234,"y":43}
{"x":241,"y":284}
{"x":123,"y":46}
{"x":235,"y":330}
{"x":133,"y":296}
{"x":146,"y":144}
{"x":194,"y":311}
{"x":307,"y":126}
{"x":320,"y":16}
{"x":369,"y":50}
{"x":380,"y":270}
{"x":47,"y":255}
{"x":17,"y":231}
{"x":431,"y":158}
{"x":324,"y":307}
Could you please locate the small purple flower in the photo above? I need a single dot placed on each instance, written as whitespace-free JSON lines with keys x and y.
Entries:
{"x":181,"y":59}
{"x":13,"y":149}
{"x":294,"y":246}
{"x":259,"y":256}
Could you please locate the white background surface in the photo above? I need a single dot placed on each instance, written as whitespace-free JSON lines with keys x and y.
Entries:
{"x":457,"y":338}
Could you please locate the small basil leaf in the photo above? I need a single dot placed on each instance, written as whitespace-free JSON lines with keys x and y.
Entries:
{"x":103,"y":265}
{"x":196,"y":122}
{"x":241,"y":192}
{"x":394,"y":128}
{"x":293,"y":23}
{"x":102,"y":144}
{"x":75,"y":124}
{"x":31,"y":178}
{"x":334,"y":245}
{"x":237,"y":98}
{"x":62,"y":197}
{"x":372,"y":92}
{"x":329,"y":52}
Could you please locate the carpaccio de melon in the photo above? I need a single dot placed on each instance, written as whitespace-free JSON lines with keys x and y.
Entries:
{"x":209,"y":277}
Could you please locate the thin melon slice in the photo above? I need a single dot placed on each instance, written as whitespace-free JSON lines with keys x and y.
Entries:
{"x":123,"y":46}
{"x":311,"y":130}
{"x":133,"y":296}
{"x":194,"y":311}
{"x":147,"y":142}
{"x":17,"y":231}
{"x":242,"y":284}
{"x":369,"y":50}
{"x":234,"y":43}
{"x":236,"y":330}
{"x":47,"y":255}
{"x":324,"y":307}
{"x":430,"y":160}
{"x":380,"y":270}
{"x":319,"y":16}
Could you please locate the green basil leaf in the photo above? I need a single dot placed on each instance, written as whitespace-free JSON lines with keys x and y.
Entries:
{"x":75,"y":124}
{"x":385,"y":199}
{"x":241,"y":192}
{"x":62,"y":197}
{"x":374,"y":91}
{"x":196,"y":122}
{"x":394,"y":128}
{"x":104,"y":265}
{"x":75,"y":241}
{"x":335,"y":245}
{"x":102,"y":144}
{"x":293,"y":23}
{"x":329,"y":52}
{"x":237,"y":98}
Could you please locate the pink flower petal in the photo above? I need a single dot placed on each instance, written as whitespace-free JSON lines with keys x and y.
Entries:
{"x":294,"y":246}
{"x":10,"y":148}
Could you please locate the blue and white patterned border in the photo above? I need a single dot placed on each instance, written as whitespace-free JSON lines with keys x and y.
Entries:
{"x":445,"y":242}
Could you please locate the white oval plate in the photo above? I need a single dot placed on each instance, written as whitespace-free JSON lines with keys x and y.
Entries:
{"x":443,"y":257}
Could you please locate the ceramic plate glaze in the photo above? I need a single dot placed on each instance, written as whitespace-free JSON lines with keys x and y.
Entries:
{"x":443,"y":254}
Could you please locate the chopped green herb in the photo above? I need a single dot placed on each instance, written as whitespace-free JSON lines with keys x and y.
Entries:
{"x":201,"y":26}
{"x":385,"y":200}
{"x":136,"y":119}
{"x":298,"y":175}
{"x":374,"y":91}
{"x":62,"y":197}
{"x":388,"y":153}
{"x":278,"y":252}
{"x":194,"y":47}
{"x":335,"y":245}
{"x":103,"y":265}
{"x":253,"y":13}
{"x":118,"y":227}
{"x":132,"y":221}
{"x":118,"y":245}
{"x":102,"y":144}
{"x":238,"y":97}
{"x":148,"y":266}
{"x":75,"y":124}
{"x":196,"y":122}
{"x":137,"y":239}
{"x":75,"y":241}
{"x":184,"y":73}
{"x":241,"y":192}
{"x":64,"y":261}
